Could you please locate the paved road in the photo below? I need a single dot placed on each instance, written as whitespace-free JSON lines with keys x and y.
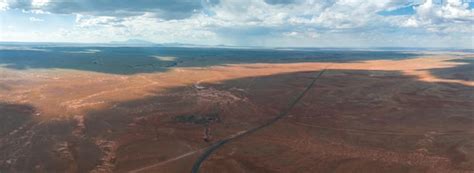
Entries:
{"x":218,"y":144}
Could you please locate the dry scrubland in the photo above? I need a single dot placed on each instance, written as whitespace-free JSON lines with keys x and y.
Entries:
{"x":407,"y":115}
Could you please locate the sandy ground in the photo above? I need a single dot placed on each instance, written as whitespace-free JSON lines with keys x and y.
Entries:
{"x":368,"y":116}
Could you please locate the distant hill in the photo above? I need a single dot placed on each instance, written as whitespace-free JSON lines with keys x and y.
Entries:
{"x":133,"y":42}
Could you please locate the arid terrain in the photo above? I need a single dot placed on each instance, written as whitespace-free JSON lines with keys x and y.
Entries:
{"x":406,"y":114}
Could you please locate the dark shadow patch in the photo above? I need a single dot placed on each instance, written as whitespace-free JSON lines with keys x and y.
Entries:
{"x":176,"y":115}
{"x":28,"y":144}
{"x":198,"y":119}
{"x":13,"y":116}
{"x":376,"y":109}
{"x":463,"y":72}
{"x":132,"y":60}
{"x":5,"y":87}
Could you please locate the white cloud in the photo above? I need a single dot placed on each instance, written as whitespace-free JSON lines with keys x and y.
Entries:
{"x":260,"y":22}
{"x":36,"y":4}
{"x":302,"y":34}
{"x":91,"y":21}
{"x":291,"y":34}
{"x":34,"y":19}
{"x":166,"y":9}
{"x":453,"y":15}
{"x":3,"y":5}
{"x":146,"y":26}
{"x":411,"y":22}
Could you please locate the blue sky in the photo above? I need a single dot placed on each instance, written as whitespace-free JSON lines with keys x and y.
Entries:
{"x":308,"y":23}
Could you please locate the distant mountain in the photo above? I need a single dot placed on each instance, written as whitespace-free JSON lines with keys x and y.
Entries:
{"x":133,"y":42}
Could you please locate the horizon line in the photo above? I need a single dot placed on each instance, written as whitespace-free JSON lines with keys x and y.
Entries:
{"x":177,"y":44}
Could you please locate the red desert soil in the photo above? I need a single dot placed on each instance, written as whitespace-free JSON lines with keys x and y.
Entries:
{"x":368,"y":116}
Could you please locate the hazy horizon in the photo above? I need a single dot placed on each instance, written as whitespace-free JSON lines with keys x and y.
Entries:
{"x":175,"y":44}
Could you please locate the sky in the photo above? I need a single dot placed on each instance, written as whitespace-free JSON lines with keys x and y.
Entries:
{"x":272,"y":23}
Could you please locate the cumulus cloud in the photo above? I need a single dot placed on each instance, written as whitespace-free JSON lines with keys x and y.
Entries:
{"x":273,"y":2}
{"x":304,"y":34}
{"x":449,"y":16}
{"x":167,"y":9}
{"x":146,"y":26}
{"x":3,"y":5}
{"x":256,"y":22}
{"x":34,"y":19}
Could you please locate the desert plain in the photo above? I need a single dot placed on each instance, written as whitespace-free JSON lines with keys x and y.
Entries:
{"x":407,"y":114}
